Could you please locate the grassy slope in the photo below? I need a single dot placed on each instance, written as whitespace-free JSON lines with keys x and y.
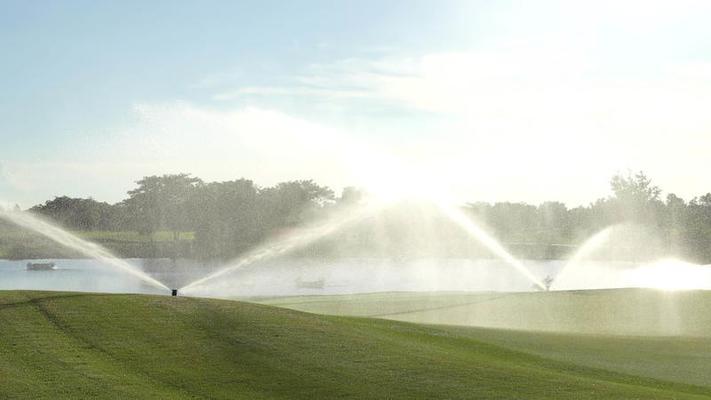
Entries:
{"x":613,"y":311}
{"x":17,"y":243}
{"x":682,"y":354}
{"x":55,"y":345}
{"x":131,"y":236}
{"x":680,"y":359}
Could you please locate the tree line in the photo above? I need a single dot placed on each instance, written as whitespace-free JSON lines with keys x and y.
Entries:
{"x":228,"y":218}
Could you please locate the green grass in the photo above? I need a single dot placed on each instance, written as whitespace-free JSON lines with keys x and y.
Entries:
{"x":17,"y":243}
{"x":130,"y":236}
{"x":665,"y":335}
{"x":69,"y":345}
{"x":680,"y":359}
{"x":639,"y":312}
{"x":122,"y":236}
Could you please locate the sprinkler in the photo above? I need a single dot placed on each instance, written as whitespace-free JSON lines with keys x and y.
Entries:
{"x":548,"y":282}
{"x":174,"y":292}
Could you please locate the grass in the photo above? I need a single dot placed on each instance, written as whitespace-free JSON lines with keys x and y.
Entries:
{"x":17,"y":243}
{"x":665,"y":335}
{"x":637,"y":312}
{"x":69,"y":345}
{"x":678,"y":358}
{"x":130,"y":236}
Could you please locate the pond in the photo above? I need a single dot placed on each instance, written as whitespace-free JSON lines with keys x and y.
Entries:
{"x":287,"y":277}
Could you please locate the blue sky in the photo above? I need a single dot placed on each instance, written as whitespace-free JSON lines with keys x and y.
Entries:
{"x":494,"y":100}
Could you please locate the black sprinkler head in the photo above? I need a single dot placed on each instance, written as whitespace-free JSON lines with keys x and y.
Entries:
{"x":174,"y":292}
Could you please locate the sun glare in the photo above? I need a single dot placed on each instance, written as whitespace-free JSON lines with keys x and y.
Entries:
{"x":671,"y":274}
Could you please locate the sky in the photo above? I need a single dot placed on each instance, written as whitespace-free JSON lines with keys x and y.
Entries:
{"x":484,"y":100}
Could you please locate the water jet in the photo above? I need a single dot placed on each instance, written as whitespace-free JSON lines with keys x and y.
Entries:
{"x":36,"y":224}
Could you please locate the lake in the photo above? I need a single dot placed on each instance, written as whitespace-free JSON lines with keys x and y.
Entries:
{"x":286,"y":277}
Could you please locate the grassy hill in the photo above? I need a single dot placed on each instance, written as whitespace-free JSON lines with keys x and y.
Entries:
{"x":72,"y":345}
{"x":639,"y":312}
{"x":651,"y":333}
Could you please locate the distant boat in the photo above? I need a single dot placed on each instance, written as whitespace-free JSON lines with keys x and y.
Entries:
{"x":318,"y":284}
{"x":40,"y":266}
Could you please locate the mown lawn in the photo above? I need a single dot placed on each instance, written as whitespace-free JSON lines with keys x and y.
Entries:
{"x":73,"y":345}
{"x":18,"y":243}
{"x":651,"y":333}
{"x":130,"y":236}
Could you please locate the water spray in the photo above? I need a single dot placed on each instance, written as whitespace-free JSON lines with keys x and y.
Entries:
{"x":548,"y":282}
{"x":458,"y":217}
{"x":29,"y":221}
{"x":588,"y":247}
{"x":291,"y":242}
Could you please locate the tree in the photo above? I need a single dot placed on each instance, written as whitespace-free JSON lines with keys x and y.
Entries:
{"x":697,"y":228}
{"x":554,"y":222}
{"x":161,"y":202}
{"x":231,"y":217}
{"x":635,"y":198}
{"x":294,"y":202}
{"x":676,"y":217}
{"x":226,"y":217}
{"x":634,"y":188}
{"x":76,"y":213}
{"x":350,"y":196}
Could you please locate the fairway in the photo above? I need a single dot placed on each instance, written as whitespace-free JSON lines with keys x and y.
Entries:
{"x":73,"y":345}
{"x":638,"y":312}
{"x":650,"y":333}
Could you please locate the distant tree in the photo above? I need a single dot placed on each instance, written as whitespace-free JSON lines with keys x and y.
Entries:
{"x":227,"y":217}
{"x":674,"y":222}
{"x":161,"y":202}
{"x":231,"y":217}
{"x":637,"y":188}
{"x":697,"y":228}
{"x":635,"y":199}
{"x":514,"y":221}
{"x":75,"y":213}
{"x":554,"y":222}
{"x":350,"y":195}
{"x":294,"y":202}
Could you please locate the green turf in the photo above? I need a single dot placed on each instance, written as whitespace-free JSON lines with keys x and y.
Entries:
{"x":641,"y":312}
{"x":17,"y":243}
{"x":131,"y":236}
{"x":678,"y":358}
{"x":67,"y":345}
{"x":642,"y":332}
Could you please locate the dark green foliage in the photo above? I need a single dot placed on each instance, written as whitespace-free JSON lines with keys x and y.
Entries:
{"x":80,"y":214}
{"x":228,"y":218}
{"x":161,"y":202}
{"x":676,"y":228}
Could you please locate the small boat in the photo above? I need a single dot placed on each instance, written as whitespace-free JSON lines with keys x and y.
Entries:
{"x":40,"y":266}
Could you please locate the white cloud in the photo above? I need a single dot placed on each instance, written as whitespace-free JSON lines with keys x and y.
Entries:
{"x":269,"y":146}
{"x":264,"y":145}
{"x":520,"y":121}
{"x":291,"y":91}
{"x":550,"y":115}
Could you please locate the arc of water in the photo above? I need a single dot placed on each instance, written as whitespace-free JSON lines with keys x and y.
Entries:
{"x":590,"y":245}
{"x":291,"y":242}
{"x":461,"y":219}
{"x":64,"y":238}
